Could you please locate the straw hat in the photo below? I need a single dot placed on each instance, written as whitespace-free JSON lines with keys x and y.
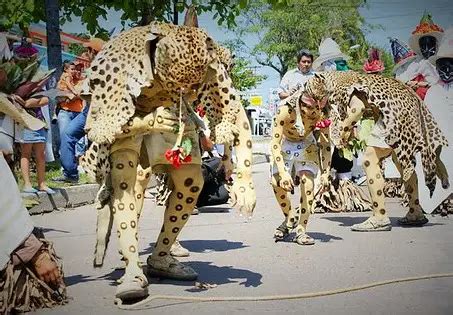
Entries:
{"x":18,"y":114}
{"x":445,"y":47}
{"x":426,"y":27}
{"x":94,"y":43}
{"x":401,"y":53}
{"x":328,"y":50}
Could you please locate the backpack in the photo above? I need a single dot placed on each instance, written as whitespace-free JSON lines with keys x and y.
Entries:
{"x":214,"y":191}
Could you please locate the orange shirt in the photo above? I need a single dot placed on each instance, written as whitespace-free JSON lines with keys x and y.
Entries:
{"x":75,"y":104}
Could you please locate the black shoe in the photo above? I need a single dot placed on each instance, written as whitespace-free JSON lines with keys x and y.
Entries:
{"x":64,"y":179}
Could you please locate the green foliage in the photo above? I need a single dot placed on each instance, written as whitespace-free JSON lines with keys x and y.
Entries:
{"x":18,"y":72}
{"x":142,"y":12}
{"x":16,"y":12}
{"x":288,"y":26}
{"x":243,"y":77}
{"x":186,"y":145}
{"x":358,"y":144}
{"x":76,"y":49}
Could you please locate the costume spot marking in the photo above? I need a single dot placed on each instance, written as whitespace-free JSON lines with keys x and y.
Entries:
{"x":173,"y":218}
{"x":178,"y":207}
{"x":194,"y":189}
{"x":123,"y":186}
{"x":188,"y":182}
{"x":121,"y":206}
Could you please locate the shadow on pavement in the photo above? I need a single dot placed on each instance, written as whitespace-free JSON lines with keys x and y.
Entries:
{"x":350,"y":221}
{"x":213,"y":274}
{"x":45,"y":230}
{"x":323,"y":237}
{"x":215,"y":209}
{"x":75,"y":279}
{"x":112,"y":276}
{"x":202,"y":246}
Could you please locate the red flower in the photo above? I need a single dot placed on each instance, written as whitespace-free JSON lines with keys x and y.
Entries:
{"x":323,"y":124}
{"x":200,"y":111}
{"x":175,"y":157}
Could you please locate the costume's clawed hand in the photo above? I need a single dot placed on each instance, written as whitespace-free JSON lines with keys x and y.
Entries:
{"x":286,"y":182}
{"x":243,"y":195}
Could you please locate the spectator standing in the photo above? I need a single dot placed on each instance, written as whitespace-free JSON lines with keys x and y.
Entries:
{"x":296,"y":78}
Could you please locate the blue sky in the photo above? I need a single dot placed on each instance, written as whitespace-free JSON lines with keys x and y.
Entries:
{"x":398,"y":18}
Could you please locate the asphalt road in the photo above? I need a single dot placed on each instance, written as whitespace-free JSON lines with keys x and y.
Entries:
{"x":242,"y":259}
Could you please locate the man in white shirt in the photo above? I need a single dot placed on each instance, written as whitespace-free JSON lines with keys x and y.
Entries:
{"x":296,"y":78}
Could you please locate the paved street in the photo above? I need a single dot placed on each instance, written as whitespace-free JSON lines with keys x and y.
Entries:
{"x":243,"y":260}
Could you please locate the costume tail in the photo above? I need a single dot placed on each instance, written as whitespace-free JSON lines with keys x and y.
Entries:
{"x":104,"y":223}
{"x":96,"y":162}
{"x":433,"y":139}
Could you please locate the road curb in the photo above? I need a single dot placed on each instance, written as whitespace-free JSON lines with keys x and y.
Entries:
{"x":75,"y":196}
{"x":66,"y":197}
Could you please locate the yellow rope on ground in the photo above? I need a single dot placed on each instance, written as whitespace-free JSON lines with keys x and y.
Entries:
{"x":276,"y":297}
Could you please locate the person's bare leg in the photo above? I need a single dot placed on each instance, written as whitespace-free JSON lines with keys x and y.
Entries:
{"x":39,"y":150}
{"x":26,"y":149}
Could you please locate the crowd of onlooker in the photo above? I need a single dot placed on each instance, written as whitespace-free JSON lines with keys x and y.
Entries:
{"x":71,"y":112}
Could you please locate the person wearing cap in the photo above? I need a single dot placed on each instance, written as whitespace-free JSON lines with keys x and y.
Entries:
{"x":424,"y":41}
{"x":93,"y":46}
{"x":296,"y":78}
{"x":439,"y":100}
{"x":23,"y":256}
{"x":73,"y":131}
{"x":68,"y":109}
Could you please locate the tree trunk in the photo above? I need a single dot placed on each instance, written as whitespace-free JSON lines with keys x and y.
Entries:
{"x":147,"y":13}
{"x":175,"y":12}
{"x":53,"y":40}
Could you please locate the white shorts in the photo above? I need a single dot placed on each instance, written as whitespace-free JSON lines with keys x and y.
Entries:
{"x":378,"y":135}
{"x":299,"y":156}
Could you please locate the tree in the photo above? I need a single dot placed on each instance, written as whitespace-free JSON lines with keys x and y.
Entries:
{"x":243,"y":77}
{"x":142,"y":12}
{"x":285,"y":29}
{"x":16,"y":12}
{"x":53,"y":40}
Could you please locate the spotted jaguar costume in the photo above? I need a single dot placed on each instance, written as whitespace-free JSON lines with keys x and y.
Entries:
{"x":404,"y":127}
{"x":142,"y":86}
{"x":295,"y":154}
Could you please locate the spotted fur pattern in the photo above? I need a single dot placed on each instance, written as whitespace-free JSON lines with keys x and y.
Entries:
{"x":412,"y":126}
